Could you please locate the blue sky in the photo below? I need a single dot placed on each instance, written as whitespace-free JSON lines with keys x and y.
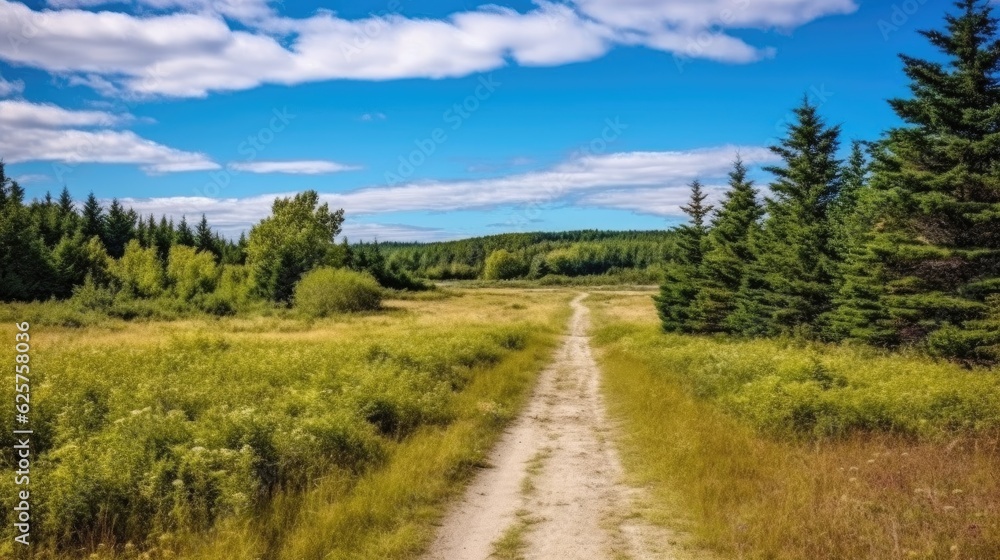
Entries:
{"x":436,"y":119}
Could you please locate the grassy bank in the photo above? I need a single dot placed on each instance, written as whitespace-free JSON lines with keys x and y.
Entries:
{"x":787,"y":451}
{"x":270,"y":437}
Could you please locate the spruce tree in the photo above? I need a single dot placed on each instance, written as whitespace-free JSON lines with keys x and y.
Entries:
{"x":932,"y":260}
{"x":184,"y":235}
{"x":119,"y":229}
{"x":728,"y":253}
{"x":681,"y":277}
{"x":204,"y":240}
{"x":790,"y":285}
{"x":26,"y":271}
{"x":68,"y":218}
{"x":92,"y":220}
{"x":163,"y":238}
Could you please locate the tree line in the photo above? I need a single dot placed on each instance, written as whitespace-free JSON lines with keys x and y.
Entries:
{"x":106,"y":258}
{"x":537,"y":255}
{"x":897,"y":245}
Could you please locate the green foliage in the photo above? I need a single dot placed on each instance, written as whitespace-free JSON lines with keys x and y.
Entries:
{"x":139,"y":271}
{"x":926,"y":265}
{"x":789,"y":286}
{"x":297,"y":237}
{"x":143,"y":439}
{"x":683,"y":275}
{"x":325,"y":291}
{"x":728,"y":253}
{"x":564,"y":254}
{"x":504,"y":265}
{"x":794,"y":390}
{"x":76,"y":258}
{"x":191,"y":273}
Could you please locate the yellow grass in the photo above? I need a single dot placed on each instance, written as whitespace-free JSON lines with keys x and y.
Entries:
{"x":750,"y":495}
{"x":489,"y":345}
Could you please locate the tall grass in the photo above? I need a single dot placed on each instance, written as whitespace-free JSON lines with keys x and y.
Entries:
{"x":770,"y":449}
{"x":257,"y":437}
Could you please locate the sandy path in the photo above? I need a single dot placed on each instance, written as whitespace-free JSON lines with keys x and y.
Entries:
{"x":555,"y":484}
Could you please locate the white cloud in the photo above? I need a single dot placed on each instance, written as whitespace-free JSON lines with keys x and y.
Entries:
{"x":8,"y":88}
{"x":43,"y":132}
{"x":298,"y":167}
{"x":369,"y":117}
{"x":33,"y":178}
{"x":24,"y":114}
{"x":660,"y":201}
{"x":101,"y":146}
{"x":649,"y":182}
{"x":576,"y":177}
{"x":196,"y":51}
{"x":368,"y":232}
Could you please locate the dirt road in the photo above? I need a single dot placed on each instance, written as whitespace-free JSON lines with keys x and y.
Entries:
{"x":554,"y":489}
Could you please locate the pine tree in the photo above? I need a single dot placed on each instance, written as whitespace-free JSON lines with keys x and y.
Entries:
{"x":26,"y":271}
{"x":119,"y":229}
{"x":163,"y":238}
{"x":681,"y":277}
{"x":728,"y":253}
{"x":92,"y":220}
{"x":68,"y":218}
{"x":932,"y":260}
{"x":204,"y":239}
{"x":184,"y":235}
{"x":790,"y":285}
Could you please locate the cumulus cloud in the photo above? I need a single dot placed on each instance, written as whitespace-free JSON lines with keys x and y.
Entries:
{"x":298,"y":167}
{"x":188,"y":48}
{"x":648,"y":182}
{"x":44,"y":132}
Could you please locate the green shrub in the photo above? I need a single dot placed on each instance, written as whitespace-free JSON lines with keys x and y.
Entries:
{"x":324,"y":291}
{"x":191,"y":272}
{"x":504,"y":265}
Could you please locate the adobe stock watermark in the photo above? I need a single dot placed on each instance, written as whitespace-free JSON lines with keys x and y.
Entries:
{"x":899,"y":16}
{"x":455,"y":117}
{"x":698,"y":45}
{"x":25,"y":26}
{"x":249,"y":148}
{"x":562,"y":182}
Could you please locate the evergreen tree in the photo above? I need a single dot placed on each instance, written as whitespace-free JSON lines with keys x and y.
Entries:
{"x":204,"y":239}
{"x":26,"y":271}
{"x":790,"y":284}
{"x":92,"y":220}
{"x":728,"y":253}
{"x":68,"y":218}
{"x":119,"y":229}
{"x":75,"y":259}
{"x":45,"y":215}
{"x":681,"y":277}
{"x":184,"y":235}
{"x":928,"y":267}
{"x":163,"y":238}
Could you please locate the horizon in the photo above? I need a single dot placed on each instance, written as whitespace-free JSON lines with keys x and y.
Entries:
{"x":513,"y":132}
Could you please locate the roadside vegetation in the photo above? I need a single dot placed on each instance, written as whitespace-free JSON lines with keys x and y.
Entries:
{"x":278,"y":437}
{"x":780,"y":449}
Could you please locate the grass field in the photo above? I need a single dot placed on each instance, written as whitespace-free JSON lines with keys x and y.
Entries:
{"x":780,"y":450}
{"x":268,"y":437}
